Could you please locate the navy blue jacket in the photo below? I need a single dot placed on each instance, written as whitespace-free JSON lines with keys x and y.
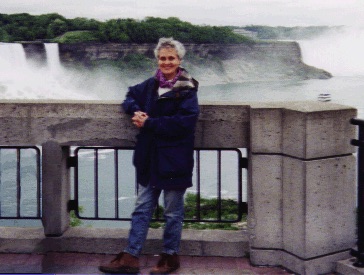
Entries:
{"x":163,"y":153}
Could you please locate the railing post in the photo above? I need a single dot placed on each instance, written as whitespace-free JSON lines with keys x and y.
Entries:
{"x":302,"y":194}
{"x":359,"y":253}
{"x":55,"y":188}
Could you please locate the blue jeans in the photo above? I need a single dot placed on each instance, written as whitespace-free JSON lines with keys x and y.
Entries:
{"x":143,"y":212}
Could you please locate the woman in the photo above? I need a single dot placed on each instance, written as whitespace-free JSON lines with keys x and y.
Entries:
{"x":165,"y":109}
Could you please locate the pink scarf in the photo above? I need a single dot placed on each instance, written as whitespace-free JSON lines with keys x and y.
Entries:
{"x":163,"y":82}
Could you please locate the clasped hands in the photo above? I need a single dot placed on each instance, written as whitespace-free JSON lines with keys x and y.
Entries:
{"x":139,"y":119}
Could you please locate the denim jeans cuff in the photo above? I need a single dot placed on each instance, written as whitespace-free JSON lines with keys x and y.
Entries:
{"x":131,"y":252}
{"x":170,"y":251}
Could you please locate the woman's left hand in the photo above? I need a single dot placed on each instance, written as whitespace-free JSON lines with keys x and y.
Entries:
{"x":139,"y":119}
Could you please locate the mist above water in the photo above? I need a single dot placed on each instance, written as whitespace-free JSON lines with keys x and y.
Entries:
{"x":23,"y":79}
{"x":340,"y":52}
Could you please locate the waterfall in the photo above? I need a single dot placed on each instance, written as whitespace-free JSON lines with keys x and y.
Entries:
{"x":53,"y":60}
{"x":20,"y":79}
{"x":11,"y":54}
{"x":12,"y":59}
{"x":340,"y":52}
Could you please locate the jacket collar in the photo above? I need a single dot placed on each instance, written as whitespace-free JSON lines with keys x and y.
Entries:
{"x":182,"y":86}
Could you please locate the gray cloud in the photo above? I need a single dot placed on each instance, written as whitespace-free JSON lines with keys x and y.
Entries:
{"x":212,"y":12}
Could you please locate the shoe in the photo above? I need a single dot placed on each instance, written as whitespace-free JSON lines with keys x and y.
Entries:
{"x":124,"y":263}
{"x":166,"y":264}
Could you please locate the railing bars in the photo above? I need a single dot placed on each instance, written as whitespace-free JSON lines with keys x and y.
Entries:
{"x":116,"y":165}
{"x":18,"y":183}
{"x":219,"y":185}
{"x":96,"y":182}
{"x":116,"y":189}
{"x":359,"y":253}
{"x":198,"y":183}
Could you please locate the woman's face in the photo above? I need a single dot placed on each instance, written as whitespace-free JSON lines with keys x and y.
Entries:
{"x":168,"y":62}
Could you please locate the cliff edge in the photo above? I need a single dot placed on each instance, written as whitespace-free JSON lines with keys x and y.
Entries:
{"x":210,"y":63}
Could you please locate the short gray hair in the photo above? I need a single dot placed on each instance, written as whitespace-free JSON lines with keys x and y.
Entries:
{"x":170,"y":43}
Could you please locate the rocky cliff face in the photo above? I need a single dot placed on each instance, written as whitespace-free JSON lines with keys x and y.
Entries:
{"x":212,"y":63}
{"x":35,"y":52}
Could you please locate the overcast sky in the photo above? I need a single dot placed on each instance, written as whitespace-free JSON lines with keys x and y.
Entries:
{"x":209,"y":12}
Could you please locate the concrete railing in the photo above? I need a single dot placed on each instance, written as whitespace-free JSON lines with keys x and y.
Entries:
{"x":302,"y":186}
{"x":301,"y":168}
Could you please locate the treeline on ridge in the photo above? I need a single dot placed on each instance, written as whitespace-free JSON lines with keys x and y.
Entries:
{"x":56,"y":28}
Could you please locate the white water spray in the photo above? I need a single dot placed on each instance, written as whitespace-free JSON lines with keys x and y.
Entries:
{"x":340,"y":52}
{"x":53,"y":60}
{"x":12,"y":56}
{"x":20,"y":79}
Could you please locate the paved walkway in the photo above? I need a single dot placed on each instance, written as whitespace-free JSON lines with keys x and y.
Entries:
{"x":82,"y":263}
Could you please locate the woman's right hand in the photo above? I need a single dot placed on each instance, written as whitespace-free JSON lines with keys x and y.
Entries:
{"x":139,"y":118}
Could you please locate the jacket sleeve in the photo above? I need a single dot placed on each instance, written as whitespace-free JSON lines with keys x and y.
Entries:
{"x":179,"y":125}
{"x":138,"y":95}
{"x":131,"y":103}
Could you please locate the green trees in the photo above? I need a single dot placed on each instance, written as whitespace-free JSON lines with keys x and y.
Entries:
{"x":4,"y":36}
{"x":114,"y":30}
{"x":84,"y":24}
{"x":54,"y":27}
{"x":76,"y":37}
{"x":151,"y":29}
{"x":25,"y":27}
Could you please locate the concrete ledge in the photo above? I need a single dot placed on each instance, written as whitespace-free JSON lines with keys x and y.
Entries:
{"x":319,"y":265}
{"x":101,"y":123}
{"x":112,"y":241}
{"x":346,"y":267}
{"x":301,"y":129}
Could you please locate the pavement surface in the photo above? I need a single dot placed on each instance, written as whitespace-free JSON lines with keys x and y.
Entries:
{"x":83,"y":263}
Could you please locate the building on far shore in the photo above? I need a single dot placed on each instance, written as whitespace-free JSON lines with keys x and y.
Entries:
{"x":245,"y":33}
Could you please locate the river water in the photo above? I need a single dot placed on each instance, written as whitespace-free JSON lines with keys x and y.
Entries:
{"x":339,"y":53}
{"x":345,"y":90}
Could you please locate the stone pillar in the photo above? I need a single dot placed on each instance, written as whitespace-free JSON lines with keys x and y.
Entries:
{"x":302,"y":186}
{"x":55,"y":188}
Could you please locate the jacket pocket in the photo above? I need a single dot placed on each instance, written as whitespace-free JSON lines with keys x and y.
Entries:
{"x":175,"y":158}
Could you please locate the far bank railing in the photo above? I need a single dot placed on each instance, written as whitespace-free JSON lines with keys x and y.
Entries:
{"x":359,"y":252}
